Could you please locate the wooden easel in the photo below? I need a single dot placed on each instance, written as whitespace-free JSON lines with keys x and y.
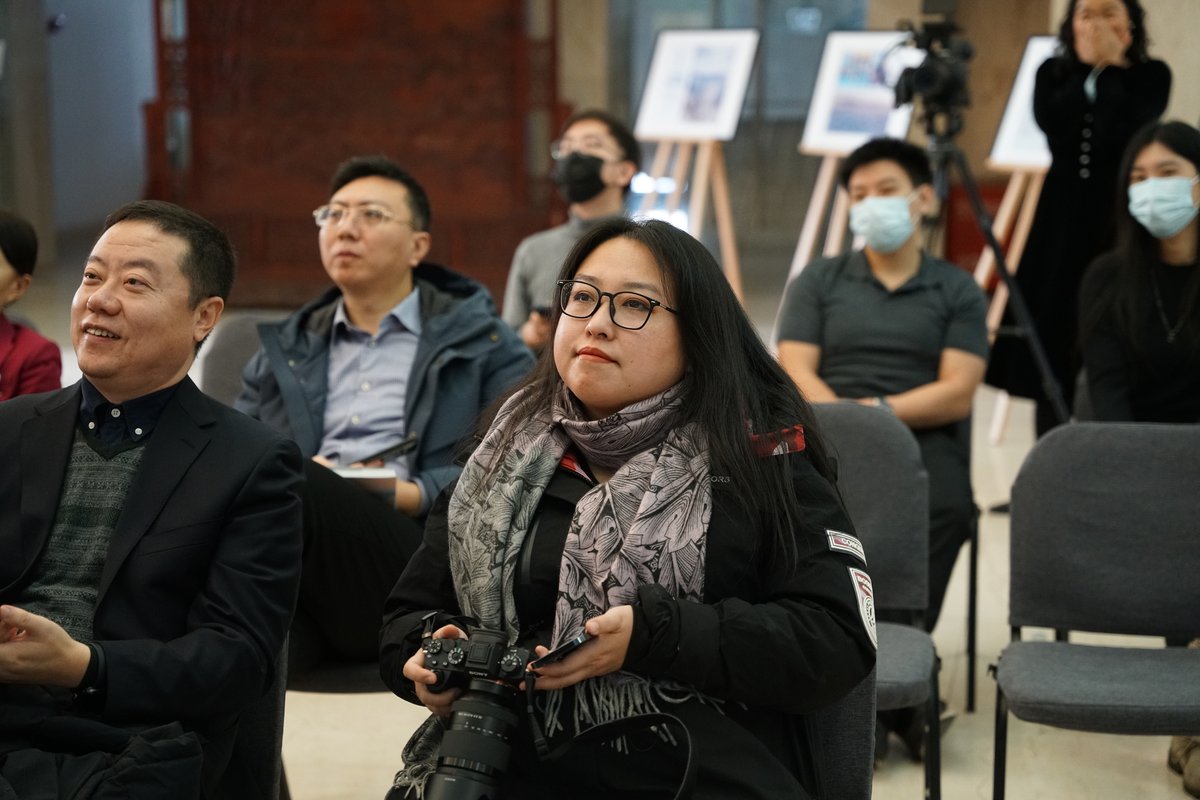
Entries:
{"x":709,"y":173}
{"x":824,"y":189}
{"x":1011,"y":226}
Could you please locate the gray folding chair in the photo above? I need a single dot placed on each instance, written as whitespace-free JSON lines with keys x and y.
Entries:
{"x":886,"y":491}
{"x":843,"y":735}
{"x":227,"y":351}
{"x":972,"y":544}
{"x":231,"y":345}
{"x":1105,"y":538}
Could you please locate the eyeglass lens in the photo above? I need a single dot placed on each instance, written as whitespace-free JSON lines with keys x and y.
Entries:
{"x":336,"y":215}
{"x":592,"y":145}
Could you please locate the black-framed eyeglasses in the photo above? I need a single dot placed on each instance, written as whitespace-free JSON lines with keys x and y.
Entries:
{"x":628,"y":310}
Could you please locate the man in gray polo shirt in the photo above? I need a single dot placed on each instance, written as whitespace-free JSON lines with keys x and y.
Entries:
{"x":892,"y":326}
{"x":595,"y":159}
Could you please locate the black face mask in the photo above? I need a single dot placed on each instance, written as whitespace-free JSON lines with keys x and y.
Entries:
{"x":578,"y":177}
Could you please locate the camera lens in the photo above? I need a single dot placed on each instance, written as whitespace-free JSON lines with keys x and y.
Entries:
{"x":476,"y":745}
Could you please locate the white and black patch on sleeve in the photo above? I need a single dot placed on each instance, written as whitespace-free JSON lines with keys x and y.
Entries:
{"x":865,"y":592}
{"x":845,"y":543}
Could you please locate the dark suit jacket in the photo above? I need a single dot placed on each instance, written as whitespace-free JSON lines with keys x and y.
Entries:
{"x":200,"y":582}
{"x":28,"y":362}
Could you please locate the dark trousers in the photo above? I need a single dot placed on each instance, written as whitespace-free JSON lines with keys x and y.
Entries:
{"x":355,"y":547}
{"x":731,"y":764}
{"x":953,"y":515}
{"x":48,"y":751}
{"x":1045,"y":418}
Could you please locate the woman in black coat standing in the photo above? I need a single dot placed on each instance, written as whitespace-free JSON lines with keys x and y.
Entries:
{"x":1089,"y":100}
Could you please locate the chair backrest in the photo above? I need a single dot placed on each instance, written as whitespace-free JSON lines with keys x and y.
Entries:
{"x":227,"y":351}
{"x":886,"y":491}
{"x":844,"y":738}
{"x":1082,"y":406}
{"x":1105,"y":530}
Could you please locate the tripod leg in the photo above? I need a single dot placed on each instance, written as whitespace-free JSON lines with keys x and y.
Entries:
{"x":1016,"y":300}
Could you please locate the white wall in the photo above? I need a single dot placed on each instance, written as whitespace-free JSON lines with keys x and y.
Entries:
{"x":101,"y":72}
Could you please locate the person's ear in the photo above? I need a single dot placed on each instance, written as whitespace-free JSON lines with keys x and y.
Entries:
{"x":422,"y":242}
{"x":18,"y":288}
{"x":925,"y":203}
{"x":205,"y":316}
{"x":625,"y":170}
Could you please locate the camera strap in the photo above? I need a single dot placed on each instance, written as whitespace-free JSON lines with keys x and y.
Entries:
{"x":607,"y":731}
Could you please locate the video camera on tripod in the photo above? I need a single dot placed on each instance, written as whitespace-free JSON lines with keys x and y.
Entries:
{"x":940,"y":80}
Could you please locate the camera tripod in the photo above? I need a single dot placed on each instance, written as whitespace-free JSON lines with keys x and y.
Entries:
{"x":944,"y":154}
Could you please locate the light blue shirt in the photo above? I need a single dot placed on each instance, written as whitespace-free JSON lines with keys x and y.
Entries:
{"x":368,"y":385}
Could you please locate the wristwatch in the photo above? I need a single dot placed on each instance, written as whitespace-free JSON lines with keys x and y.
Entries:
{"x":90,"y":693}
{"x":880,"y":401}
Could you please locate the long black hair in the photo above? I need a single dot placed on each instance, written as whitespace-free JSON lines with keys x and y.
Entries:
{"x":1129,"y":295}
{"x":18,"y":242}
{"x":1137,"y":51}
{"x":732,"y":386}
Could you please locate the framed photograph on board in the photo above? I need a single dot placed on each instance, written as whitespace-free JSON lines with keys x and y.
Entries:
{"x":1020,"y":144}
{"x":853,"y":100}
{"x":696,"y":85}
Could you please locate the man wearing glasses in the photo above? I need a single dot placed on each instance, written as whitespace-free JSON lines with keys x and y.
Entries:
{"x":391,"y":366}
{"x":595,"y":159}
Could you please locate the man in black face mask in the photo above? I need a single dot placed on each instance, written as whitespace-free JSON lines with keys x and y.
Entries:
{"x":595,"y":158}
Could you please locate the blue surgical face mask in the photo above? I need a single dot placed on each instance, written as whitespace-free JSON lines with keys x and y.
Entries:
{"x":885,"y":222}
{"x":1163,"y":206}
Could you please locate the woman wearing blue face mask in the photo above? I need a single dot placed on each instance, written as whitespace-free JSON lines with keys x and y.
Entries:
{"x":1089,"y":99}
{"x":1140,"y":311}
{"x":1140,"y":303}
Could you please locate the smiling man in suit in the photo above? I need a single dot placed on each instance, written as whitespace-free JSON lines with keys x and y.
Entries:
{"x":149,"y":536}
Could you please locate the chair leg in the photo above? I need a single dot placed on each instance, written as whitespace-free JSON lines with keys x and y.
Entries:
{"x":933,"y":741}
{"x":1001,"y":736}
{"x":972,"y":615}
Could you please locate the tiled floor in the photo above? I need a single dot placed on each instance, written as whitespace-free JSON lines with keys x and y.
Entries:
{"x":348,"y":746}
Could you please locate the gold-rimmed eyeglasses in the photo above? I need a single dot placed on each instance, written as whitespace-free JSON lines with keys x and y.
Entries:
{"x":370,"y":216}
{"x":628,"y":310}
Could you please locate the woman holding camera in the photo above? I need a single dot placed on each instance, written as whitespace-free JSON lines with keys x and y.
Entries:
{"x":656,"y":484}
{"x":1088,"y":100}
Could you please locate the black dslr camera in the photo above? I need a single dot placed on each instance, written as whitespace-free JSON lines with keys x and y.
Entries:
{"x":477,"y":742}
{"x":486,"y":655}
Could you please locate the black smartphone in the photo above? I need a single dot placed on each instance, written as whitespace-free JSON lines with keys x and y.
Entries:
{"x":561,"y":652}
{"x":406,"y":446}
